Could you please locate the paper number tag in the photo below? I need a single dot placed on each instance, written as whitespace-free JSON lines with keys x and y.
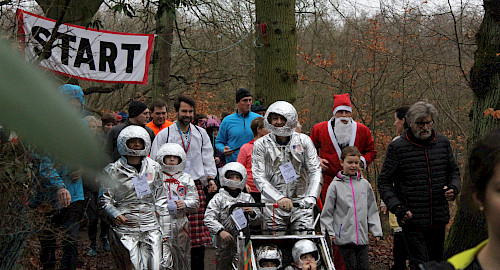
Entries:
{"x":188,"y":165}
{"x":239,"y":219}
{"x":172,"y":208}
{"x":141,"y":185}
{"x":288,"y":172}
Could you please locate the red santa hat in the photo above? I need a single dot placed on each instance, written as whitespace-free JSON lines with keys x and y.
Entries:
{"x":341,"y":102}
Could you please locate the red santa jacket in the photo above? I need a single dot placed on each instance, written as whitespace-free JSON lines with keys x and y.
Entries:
{"x":321,"y":138}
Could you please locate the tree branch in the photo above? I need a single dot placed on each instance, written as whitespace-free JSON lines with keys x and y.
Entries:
{"x":459,"y":49}
{"x":99,"y":89}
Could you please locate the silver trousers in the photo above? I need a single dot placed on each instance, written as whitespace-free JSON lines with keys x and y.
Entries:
{"x":298,"y":219}
{"x":136,"y":250}
{"x":177,"y":252}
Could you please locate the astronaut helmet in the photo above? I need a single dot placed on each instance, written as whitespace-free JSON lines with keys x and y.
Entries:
{"x":230,"y":168}
{"x":268,"y":253}
{"x":303,"y":247}
{"x":286,"y":110}
{"x":133,"y":132}
{"x":171,"y":149}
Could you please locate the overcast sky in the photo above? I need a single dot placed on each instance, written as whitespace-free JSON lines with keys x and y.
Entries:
{"x":430,"y":6}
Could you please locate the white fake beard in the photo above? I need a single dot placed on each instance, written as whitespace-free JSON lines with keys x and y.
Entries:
{"x":343,"y":131}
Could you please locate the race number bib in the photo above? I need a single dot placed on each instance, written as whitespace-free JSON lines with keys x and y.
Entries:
{"x":288,"y":172}
{"x":239,"y":219}
{"x":172,"y":206}
{"x":141,"y":184}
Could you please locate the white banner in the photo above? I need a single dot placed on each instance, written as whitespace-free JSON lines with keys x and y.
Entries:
{"x":86,"y":54}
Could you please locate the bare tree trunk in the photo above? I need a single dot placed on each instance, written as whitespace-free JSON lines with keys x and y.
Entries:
{"x":162,"y":53}
{"x":276,"y":59}
{"x":469,"y":226}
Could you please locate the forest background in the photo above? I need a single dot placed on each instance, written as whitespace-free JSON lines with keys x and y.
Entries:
{"x":385,"y":56}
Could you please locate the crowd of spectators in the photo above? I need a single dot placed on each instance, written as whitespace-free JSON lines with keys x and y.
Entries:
{"x":168,"y":180}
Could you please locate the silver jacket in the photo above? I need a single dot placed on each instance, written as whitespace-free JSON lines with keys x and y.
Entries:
{"x":136,"y":244}
{"x":268,"y":156}
{"x":177,"y":185}
{"x":342,"y":213}
{"x":218,"y":218}
{"x":120,"y":196}
{"x":175,"y":228}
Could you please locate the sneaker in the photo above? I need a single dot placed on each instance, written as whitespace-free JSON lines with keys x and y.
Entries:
{"x":92,"y":252}
{"x":105,"y":244}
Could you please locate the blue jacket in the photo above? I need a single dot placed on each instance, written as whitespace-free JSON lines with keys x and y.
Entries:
{"x":234,"y":132}
{"x":49,"y":179}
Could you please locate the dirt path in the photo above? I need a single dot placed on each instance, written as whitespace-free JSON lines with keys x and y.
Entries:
{"x":380,"y":255}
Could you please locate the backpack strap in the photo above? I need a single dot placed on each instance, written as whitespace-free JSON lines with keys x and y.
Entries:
{"x":168,"y":134}
{"x":201,"y":135}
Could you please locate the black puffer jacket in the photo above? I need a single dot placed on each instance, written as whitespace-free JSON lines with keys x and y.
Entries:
{"x":413,"y":176}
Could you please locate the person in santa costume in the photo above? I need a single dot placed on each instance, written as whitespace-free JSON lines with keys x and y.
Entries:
{"x":331,"y":136}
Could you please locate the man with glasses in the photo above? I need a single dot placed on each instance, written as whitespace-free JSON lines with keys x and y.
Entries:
{"x":418,"y":178}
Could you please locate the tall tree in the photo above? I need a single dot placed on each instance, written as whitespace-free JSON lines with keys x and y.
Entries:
{"x":469,"y":226}
{"x":276,"y":53}
{"x":165,"y":18}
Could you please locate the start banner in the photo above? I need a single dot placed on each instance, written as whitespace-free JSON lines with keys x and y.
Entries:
{"x":85,"y":53}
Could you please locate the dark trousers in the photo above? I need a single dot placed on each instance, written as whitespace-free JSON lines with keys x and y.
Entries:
{"x":256,"y":196}
{"x":94,"y":215}
{"x":198,"y":258}
{"x":93,"y":231}
{"x":68,"y":221}
{"x":424,"y":244}
{"x":256,"y":229}
{"x":399,"y":251}
{"x":355,"y":257}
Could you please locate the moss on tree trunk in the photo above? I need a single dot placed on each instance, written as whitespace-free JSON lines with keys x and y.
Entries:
{"x":469,"y":226}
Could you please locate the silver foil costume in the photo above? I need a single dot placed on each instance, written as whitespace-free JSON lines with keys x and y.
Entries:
{"x":137,"y":243}
{"x":218,"y":218}
{"x":267,"y":158}
{"x":268,"y":253}
{"x":177,"y":185}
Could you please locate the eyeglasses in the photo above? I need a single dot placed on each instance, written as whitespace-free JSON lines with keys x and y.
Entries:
{"x":423,"y":124}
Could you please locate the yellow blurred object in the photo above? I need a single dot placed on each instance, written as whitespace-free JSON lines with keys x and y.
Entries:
{"x":393,"y":222}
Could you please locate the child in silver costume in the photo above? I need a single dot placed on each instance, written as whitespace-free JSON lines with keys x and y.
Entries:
{"x":217,"y":217}
{"x":179,"y":197}
{"x":129,"y":200}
